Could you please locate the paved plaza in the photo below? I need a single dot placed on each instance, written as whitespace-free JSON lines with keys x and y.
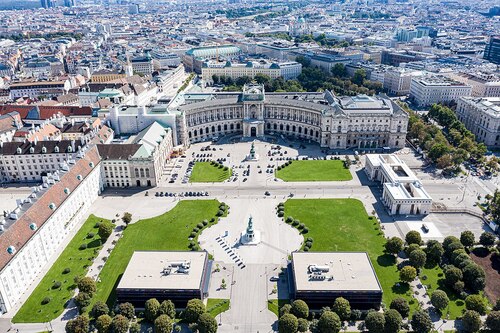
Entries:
{"x":250,"y":288}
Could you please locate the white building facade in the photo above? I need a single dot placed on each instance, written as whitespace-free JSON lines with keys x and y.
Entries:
{"x":403,"y":193}
{"x":31,"y":234}
{"x":481,"y":116}
{"x":429,"y":90}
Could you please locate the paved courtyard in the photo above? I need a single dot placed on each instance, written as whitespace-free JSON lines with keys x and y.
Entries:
{"x":250,"y":288}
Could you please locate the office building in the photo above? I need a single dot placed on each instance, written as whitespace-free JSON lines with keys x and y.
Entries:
{"x":318,"y":278}
{"x":492,"y":50}
{"x":481,"y":116}
{"x":175,"y":276}
{"x":432,"y":89}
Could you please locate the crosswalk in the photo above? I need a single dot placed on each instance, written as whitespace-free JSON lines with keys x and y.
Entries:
{"x":232,"y":254}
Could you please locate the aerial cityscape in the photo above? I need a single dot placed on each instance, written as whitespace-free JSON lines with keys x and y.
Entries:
{"x":249,"y":166}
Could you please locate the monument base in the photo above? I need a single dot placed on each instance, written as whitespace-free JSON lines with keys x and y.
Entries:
{"x":253,"y":241}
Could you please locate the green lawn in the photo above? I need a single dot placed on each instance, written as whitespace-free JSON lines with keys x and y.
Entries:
{"x":167,"y":232}
{"x":73,"y":258}
{"x":274,"y":305}
{"x":204,"y":172}
{"x":344,"y":225}
{"x":434,"y":281}
{"x":217,"y":305}
{"x":321,"y":170}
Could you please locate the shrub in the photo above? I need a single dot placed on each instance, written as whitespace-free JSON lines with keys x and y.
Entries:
{"x":413,"y":237}
{"x":300,"y":226}
{"x":200,"y":226}
{"x":306,"y":248}
{"x":295,"y":223}
{"x":195,"y":229}
{"x":90,"y":235}
{"x":205,"y":222}
{"x":289,"y":219}
{"x":191,"y":244}
{"x":288,"y":323}
{"x":66,"y":270}
{"x":192,"y":234}
{"x":220,"y":212}
{"x":83,"y":247}
{"x":305,"y":230}
{"x":46,"y":300}
{"x":281,"y":213}
{"x":300,"y":309}
{"x":56,"y":285}
{"x":309,"y":244}
{"x":401,"y":305}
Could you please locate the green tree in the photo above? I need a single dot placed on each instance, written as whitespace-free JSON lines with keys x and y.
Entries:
{"x":87,"y":285}
{"x":407,"y":274}
{"x":103,"y":323}
{"x":135,"y":328}
{"x":151,"y":309}
{"x":393,"y":321}
{"x":82,"y":300}
{"x":487,"y":239}
{"x":120,"y":324}
{"x":476,"y":303}
{"x":194,"y":309}
{"x":439,"y":300}
{"x":452,"y":275}
{"x":400,"y":305}
{"x":411,"y":248}
{"x":413,"y":237}
{"x":342,"y":308}
{"x":288,"y":323}
{"x":164,"y":324}
{"x":375,"y":322}
{"x":359,"y":76}
{"x":418,"y":258}
{"x":448,"y":240}
{"x":467,"y":238}
{"x":329,"y":322}
{"x":300,"y":309}
{"x":99,"y":308}
{"x":474,"y":277}
{"x":339,"y":70}
{"x":434,"y":251}
{"x":286,"y":308}
{"x":421,"y":322}
{"x":303,"y":325}
{"x":394,"y":245}
{"x":105,"y":230}
{"x":493,"y":321}
{"x":167,"y":308}
{"x":127,"y":218}
{"x":206,"y":323}
{"x":471,"y":321}
{"x":127,"y":310}
{"x":78,"y":325}
{"x":453,"y":247}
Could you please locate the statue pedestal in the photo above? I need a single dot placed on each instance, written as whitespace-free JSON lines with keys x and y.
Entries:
{"x":246,"y":239}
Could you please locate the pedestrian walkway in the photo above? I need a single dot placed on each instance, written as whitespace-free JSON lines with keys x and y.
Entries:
{"x":231,"y":252}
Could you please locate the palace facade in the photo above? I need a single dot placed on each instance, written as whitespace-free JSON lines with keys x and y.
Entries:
{"x":334,"y":122}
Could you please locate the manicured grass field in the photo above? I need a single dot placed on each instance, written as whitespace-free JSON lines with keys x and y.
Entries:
{"x":167,"y":232}
{"x":434,"y":281}
{"x":204,"y":172}
{"x":73,"y":258}
{"x":310,"y":171}
{"x":217,"y":305}
{"x":344,"y":225}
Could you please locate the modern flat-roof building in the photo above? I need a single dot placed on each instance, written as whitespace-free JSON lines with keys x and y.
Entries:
{"x":432,"y":89}
{"x":193,"y":59}
{"x":318,"y":278}
{"x":403,"y":192}
{"x":481,"y":116}
{"x":175,"y":276}
{"x":492,"y":50}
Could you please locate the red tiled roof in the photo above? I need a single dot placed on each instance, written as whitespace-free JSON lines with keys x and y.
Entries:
{"x":19,"y":233}
{"x":47,"y":111}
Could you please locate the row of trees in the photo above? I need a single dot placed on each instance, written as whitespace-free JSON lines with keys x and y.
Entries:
{"x":161,"y":315}
{"x":449,"y":144}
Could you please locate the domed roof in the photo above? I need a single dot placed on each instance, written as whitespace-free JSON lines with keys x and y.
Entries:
{"x":302,"y":20}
